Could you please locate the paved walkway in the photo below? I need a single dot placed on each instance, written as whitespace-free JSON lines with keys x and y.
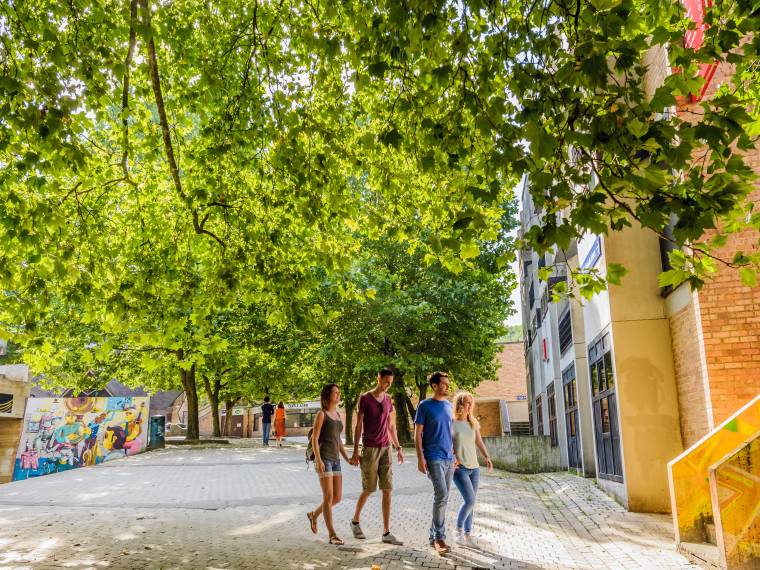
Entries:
{"x":239,"y":507}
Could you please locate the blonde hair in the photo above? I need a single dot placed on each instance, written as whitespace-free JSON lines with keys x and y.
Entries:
{"x":459,"y":400}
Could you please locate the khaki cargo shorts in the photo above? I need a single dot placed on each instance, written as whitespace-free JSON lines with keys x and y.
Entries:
{"x":376,"y":463}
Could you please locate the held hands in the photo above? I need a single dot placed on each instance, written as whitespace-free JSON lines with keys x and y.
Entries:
{"x":354,"y":458}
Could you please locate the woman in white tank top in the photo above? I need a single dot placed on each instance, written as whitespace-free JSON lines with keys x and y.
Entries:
{"x":467,"y":441}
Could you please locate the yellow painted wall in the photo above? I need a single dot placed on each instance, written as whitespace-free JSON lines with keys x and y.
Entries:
{"x":646,"y":387}
{"x":648,"y":404}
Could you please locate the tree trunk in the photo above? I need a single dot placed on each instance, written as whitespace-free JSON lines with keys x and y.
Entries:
{"x":228,"y":405}
{"x":402,"y":413}
{"x":212,"y":391}
{"x":350,"y":405}
{"x":422,"y":391}
{"x":191,"y":395}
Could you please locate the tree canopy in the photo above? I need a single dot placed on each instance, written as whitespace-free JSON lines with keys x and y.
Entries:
{"x":166,"y":165}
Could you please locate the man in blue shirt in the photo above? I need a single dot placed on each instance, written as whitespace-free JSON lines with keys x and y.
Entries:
{"x":267,"y":410}
{"x":435,"y":452}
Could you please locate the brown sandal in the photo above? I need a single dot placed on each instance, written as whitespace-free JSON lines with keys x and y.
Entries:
{"x":334,"y":539}
{"x":312,"y":521}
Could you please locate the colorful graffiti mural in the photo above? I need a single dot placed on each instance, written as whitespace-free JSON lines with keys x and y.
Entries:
{"x":65,"y":433}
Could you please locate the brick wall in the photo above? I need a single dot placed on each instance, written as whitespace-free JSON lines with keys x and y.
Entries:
{"x":730,"y":311}
{"x":689,"y":375}
{"x":511,"y":379}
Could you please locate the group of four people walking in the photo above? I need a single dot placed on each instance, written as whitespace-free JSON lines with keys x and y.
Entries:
{"x":446,"y":439}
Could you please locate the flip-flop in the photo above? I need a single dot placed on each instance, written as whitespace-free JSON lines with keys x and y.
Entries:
{"x":312,"y":521}
{"x":336,"y":540}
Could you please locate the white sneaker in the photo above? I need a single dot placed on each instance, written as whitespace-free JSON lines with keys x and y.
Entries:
{"x":470,"y":541}
{"x":459,"y":537}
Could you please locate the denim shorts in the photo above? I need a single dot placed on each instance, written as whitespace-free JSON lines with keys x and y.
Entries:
{"x":332,"y":468}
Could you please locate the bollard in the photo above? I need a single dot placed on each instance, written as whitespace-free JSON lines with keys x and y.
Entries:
{"x":157,"y":432}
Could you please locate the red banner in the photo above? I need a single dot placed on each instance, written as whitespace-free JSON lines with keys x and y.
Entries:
{"x":695,"y":10}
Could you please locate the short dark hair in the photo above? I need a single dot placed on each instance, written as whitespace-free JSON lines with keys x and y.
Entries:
{"x":324,"y":397}
{"x":385,"y":372}
{"x":435,"y":377}
{"x":266,"y":399}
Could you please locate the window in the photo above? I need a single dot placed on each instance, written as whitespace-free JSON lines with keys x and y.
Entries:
{"x":570,"y":392}
{"x":6,"y":403}
{"x":550,"y":400}
{"x":545,"y":304}
{"x":530,"y":418}
{"x":299,"y":419}
{"x":539,"y":416}
{"x":531,"y":296}
{"x":606,"y":431}
{"x":565,"y":332}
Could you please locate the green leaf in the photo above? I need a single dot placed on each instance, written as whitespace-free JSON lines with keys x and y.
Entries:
{"x":615,"y":273}
{"x":748,"y":276}
{"x":469,"y":250}
{"x":603,"y":5}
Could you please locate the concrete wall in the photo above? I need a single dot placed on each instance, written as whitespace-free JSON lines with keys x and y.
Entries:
{"x":643,"y":359}
{"x":14,"y":380}
{"x":10,"y":431}
{"x":524,"y":454}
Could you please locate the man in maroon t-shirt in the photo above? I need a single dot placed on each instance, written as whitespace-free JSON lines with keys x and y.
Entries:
{"x":376,"y":420}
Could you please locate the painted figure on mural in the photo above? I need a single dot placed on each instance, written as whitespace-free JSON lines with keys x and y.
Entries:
{"x":69,"y":440}
{"x":67,"y":433}
{"x":133,"y":429}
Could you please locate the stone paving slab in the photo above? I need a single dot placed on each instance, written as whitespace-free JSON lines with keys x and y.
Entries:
{"x":242,"y":507}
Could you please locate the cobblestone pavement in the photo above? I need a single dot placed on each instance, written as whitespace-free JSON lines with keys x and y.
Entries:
{"x":242,"y":507}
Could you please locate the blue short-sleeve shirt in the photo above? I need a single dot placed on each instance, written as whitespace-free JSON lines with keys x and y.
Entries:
{"x":435,"y":417}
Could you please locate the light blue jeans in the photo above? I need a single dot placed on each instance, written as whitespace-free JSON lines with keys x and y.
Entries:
{"x":467,"y":481}
{"x":266,"y":428}
{"x":440,"y":473}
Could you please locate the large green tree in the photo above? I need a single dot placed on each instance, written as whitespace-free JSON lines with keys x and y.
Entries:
{"x":162,"y":162}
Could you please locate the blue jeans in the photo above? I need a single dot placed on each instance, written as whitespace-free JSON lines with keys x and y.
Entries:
{"x":266,"y":428}
{"x":467,"y":481}
{"x":440,"y":473}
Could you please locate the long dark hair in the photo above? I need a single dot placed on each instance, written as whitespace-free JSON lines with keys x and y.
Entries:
{"x":324,"y":397}
{"x":281,"y":405}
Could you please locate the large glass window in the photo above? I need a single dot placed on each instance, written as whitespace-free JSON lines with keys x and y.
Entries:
{"x":539,"y":416}
{"x":551,"y":401}
{"x":606,"y":431}
{"x":571,"y":416}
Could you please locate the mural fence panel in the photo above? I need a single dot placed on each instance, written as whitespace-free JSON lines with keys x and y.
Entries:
{"x":66,"y":433}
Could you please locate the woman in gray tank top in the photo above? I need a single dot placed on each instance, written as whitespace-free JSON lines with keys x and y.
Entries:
{"x":328,"y":447}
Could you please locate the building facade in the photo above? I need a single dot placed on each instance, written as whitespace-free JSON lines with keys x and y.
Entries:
{"x":626,"y":381}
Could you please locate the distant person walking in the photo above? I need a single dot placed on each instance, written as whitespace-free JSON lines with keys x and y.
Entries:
{"x":435,"y":453}
{"x":376,"y":424}
{"x":279,"y":423}
{"x":467,"y":441}
{"x":267,"y":410}
{"x":328,"y":447}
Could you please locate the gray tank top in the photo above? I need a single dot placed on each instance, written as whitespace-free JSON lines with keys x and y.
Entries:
{"x":329,"y":440}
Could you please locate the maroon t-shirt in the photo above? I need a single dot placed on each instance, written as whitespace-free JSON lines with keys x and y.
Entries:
{"x":376,"y":418}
